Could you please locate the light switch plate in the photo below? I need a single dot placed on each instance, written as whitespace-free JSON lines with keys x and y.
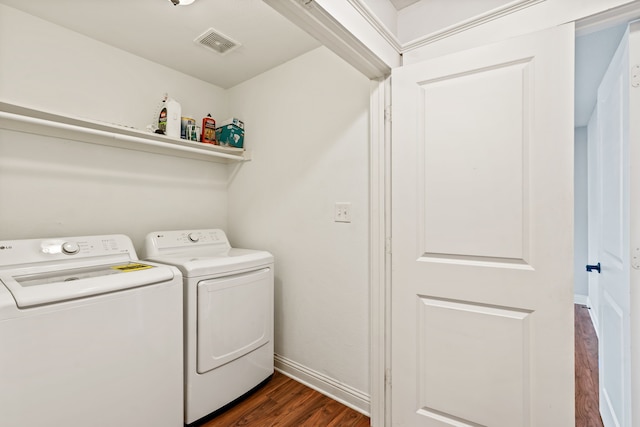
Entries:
{"x":342,"y":212}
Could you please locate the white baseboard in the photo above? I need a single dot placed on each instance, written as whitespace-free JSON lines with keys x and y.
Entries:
{"x":594,"y":319}
{"x":342,"y":393}
{"x":580,"y":299}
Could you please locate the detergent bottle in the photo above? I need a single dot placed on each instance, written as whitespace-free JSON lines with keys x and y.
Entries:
{"x":170,"y":116}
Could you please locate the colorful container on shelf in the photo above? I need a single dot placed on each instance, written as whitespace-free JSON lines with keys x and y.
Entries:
{"x":208,"y":130}
{"x":230,"y":133}
{"x":185,"y":122}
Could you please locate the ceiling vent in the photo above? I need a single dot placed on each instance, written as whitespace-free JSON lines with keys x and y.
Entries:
{"x":216,"y":41}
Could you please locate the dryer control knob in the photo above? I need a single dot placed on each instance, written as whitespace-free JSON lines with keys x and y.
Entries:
{"x":194,"y":237}
{"x":70,"y":248}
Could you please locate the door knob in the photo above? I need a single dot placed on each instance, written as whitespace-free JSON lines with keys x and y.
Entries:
{"x":591,"y":268}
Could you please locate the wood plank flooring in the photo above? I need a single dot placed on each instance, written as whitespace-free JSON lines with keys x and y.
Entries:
{"x":284,"y":402}
{"x":586,"y":370}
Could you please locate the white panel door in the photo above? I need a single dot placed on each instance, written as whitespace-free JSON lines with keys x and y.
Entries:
{"x":482,"y":223}
{"x":614,"y":318}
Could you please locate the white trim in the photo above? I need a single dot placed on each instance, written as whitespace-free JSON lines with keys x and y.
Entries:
{"x":388,"y":255}
{"x":475,"y":21}
{"x":349,"y":396}
{"x":376,"y":23}
{"x":594,"y":319}
{"x":377,"y":251}
{"x":610,"y":18}
{"x":580,"y":299}
{"x":478,"y":20}
{"x":327,"y":30}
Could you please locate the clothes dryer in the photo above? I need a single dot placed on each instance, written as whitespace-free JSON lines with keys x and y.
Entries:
{"x":228,"y":315}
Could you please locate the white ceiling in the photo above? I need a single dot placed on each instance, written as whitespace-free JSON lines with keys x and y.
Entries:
{"x":160,"y":32}
{"x":401,"y":4}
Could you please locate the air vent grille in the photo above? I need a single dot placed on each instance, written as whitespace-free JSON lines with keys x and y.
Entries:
{"x":216,"y":41}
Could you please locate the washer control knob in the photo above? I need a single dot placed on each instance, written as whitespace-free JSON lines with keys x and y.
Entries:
{"x":193,"y":237}
{"x":70,"y":248}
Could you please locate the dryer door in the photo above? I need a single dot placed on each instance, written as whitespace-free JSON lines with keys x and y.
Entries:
{"x":235,"y":317}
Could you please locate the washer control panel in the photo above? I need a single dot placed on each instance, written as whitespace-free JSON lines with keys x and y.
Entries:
{"x":95,"y":246}
{"x":39,"y":250}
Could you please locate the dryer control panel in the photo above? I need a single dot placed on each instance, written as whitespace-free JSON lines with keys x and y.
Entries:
{"x":163,"y":242}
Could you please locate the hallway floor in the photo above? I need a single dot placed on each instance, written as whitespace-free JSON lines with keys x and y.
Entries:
{"x":586,"y":370}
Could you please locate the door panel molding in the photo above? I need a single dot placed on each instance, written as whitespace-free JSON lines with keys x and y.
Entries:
{"x":452,"y":335}
{"x":488,"y":186}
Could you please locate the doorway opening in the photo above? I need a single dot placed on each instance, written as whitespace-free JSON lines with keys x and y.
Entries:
{"x":597,"y":40}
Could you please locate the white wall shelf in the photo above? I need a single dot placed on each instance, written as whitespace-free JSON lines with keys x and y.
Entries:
{"x":23,"y":119}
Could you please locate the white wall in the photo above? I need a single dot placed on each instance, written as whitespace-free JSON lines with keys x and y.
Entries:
{"x":49,"y":67}
{"x":307,"y":124}
{"x":593,"y":55}
{"x":53,"y":187}
{"x":580,"y":277}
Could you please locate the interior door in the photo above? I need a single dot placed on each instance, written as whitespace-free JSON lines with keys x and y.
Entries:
{"x":614,"y":339}
{"x":482,"y":224}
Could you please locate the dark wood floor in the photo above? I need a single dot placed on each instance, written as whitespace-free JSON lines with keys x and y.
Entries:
{"x":284,"y":402}
{"x":586,"y":344}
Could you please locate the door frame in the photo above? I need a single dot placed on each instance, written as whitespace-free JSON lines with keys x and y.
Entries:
{"x":602,"y":21}
{"x":380,"y":252}
{"x":634,"y":226}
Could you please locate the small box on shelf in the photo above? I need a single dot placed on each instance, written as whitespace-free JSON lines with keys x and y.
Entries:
{"x":230,"y":133}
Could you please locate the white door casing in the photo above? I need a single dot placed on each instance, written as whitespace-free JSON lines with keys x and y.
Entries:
{"x":634,"y":222}
{"x":482,"y":224}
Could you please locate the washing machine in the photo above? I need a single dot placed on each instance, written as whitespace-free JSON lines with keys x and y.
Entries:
{"x":228,"y":297}
{"x":89,"y":335}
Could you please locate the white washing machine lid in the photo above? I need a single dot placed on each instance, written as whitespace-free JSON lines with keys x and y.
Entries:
{"x":43,"y":271}
{"x":30,"y":290}
{"x":203,"y":263}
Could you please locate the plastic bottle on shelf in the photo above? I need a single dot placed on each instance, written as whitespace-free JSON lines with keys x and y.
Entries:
{"x":169,"y":119}
{"x":208,"y":130}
